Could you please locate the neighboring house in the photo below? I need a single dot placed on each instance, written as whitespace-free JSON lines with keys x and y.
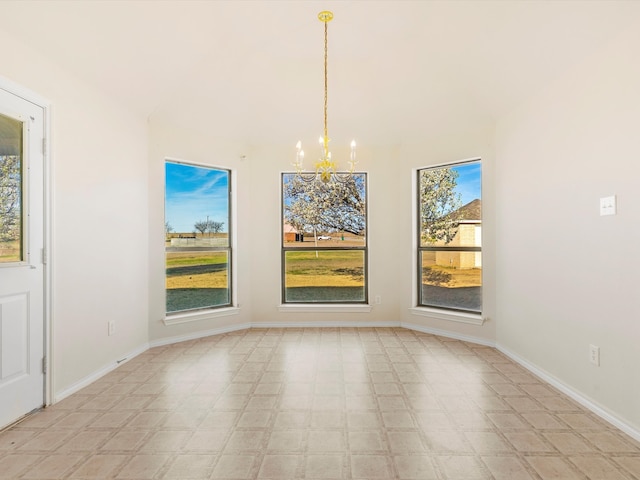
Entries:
{"x":469,"y":235}
{"x":291,"y":234}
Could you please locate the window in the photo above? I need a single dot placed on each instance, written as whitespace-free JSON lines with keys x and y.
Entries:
{"x":197,"y":237}
{"x":450,"y":237}
{"x":324,"y":245}
{"x":11,"y":239}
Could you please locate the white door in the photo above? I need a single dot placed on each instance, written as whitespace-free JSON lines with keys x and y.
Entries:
{"x":21,"y":257}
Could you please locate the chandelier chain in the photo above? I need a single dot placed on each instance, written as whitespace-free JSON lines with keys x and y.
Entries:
{"x":325,"y":167}
{"x":326,"y":50}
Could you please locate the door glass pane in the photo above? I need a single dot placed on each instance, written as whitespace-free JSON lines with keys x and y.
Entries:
{"x":10,"y":190}
{"x":322,"y":276}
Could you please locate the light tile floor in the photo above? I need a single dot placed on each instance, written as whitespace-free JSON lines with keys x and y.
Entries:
{"x":284,"y":404}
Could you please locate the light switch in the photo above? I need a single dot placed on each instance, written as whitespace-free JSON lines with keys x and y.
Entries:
{"x":608,"y":205}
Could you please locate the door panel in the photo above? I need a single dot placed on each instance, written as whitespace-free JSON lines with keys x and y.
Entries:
{"x":14,"y":341}
{"x":21,"y":250}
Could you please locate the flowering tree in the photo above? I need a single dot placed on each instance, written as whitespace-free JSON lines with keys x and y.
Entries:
{"x":438,"y":205}
{"x":326,"y":207}
{"x":10,"y":196}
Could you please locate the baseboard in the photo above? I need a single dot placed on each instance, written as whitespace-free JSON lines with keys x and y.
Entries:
{"x":326,"y":324}
{"x":245,"y":326}
{"x":448,"y":334}
{"x":101,"y":372}
{"x":196,"y":335}
{"x":579,"y":397}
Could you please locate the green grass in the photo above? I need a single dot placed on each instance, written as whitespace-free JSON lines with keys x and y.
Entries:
{"x":10,"y":251}
{"x":199,"y":279}
{"x":324,"y":268}
{"x":180,"y":259}
{"x":189,"y":298}
{"x":196,"y":280}
{"x":325,"y":294}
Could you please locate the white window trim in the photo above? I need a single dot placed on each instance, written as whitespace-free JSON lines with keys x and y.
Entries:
{"x":449,"y":315}
{"x":321,"y":308}
{"x":196,"y":316}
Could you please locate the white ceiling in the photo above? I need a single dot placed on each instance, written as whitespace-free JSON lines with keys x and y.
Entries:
{"x":252,"y":70}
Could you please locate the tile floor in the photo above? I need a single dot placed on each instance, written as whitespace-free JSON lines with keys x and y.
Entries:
{"x":340,"y":403}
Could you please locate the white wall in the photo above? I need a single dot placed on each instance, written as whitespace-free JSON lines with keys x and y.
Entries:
{"x":567,"y":277}
{"x":99,"y":199}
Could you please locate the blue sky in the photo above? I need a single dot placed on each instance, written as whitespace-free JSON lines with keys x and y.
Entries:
{"x":468,"y":181}
{"x":194,"y":193}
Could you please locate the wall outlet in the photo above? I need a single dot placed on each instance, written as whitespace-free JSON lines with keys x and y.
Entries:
{"x":608,"y":205}
{"x":594,"y":355}
{"x":377,"y":300}
{"x":111,"y":327}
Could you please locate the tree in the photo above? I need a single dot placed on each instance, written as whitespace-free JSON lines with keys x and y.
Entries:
{"x":328,"y":207}
{"x":215,"y":227}
{"x":438,"y":205}
{"x":167,"y":228}
{"x":10,"y":197}
{"x":207,"y":225}
{"x":201,"y":226}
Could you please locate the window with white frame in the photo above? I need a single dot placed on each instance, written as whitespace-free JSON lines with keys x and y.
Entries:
{"x":450,"y":237}
{"x":324,"y":244}
{"x":197,"y":237}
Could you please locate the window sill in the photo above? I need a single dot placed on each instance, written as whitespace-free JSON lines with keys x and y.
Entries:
{"x":200,"y":315}
{"x":452,"y":316}
{"x":324,"y":308}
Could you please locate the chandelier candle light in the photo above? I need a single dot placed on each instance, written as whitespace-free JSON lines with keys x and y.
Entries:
{"x":326,"y":169}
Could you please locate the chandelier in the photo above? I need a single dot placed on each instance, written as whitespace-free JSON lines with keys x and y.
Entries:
{"x":325,"y":167}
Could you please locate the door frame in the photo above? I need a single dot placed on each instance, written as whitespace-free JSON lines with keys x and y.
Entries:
{"x":30,"y":96}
